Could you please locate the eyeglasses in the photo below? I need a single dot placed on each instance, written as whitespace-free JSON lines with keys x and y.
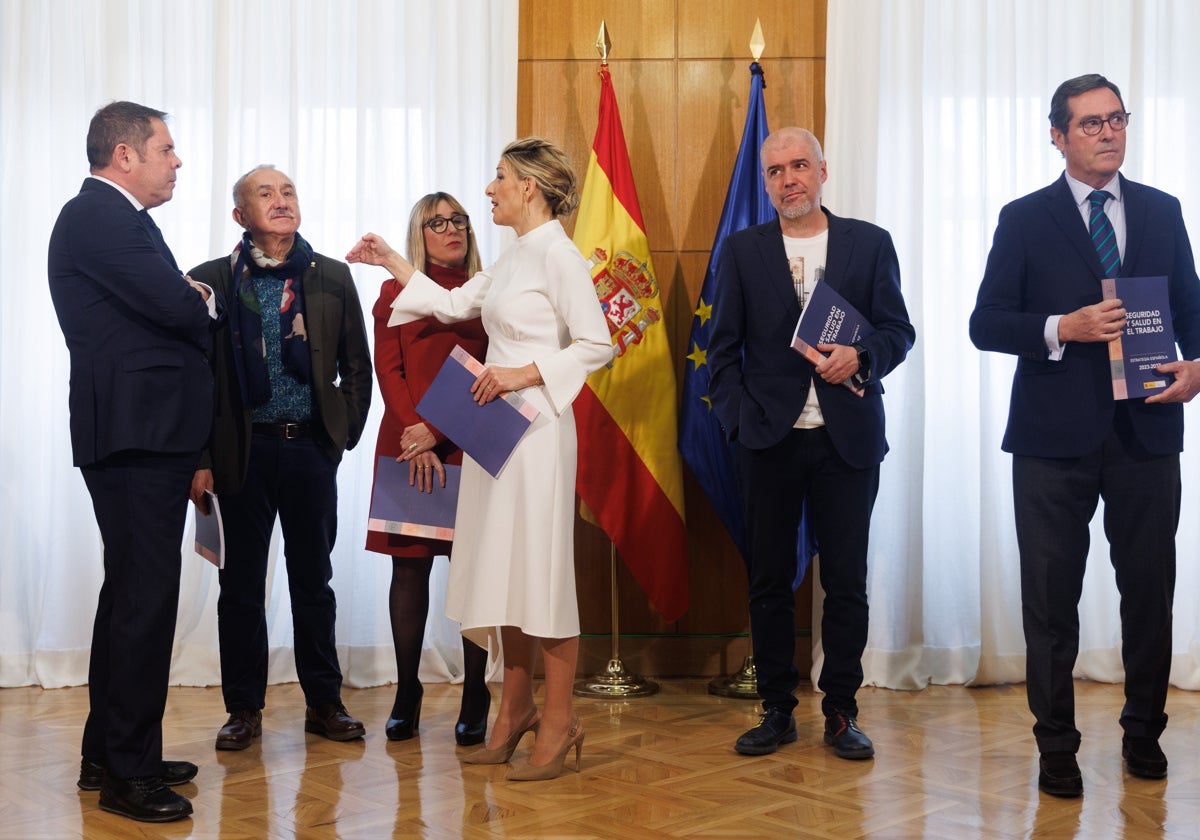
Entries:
{"x":438,"y":223}
{"x":1093,"y":125}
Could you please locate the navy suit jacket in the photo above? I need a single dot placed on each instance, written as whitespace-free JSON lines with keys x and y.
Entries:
{"x":759,"y":383}
{"x":1042,"y":263}
{"x":137,"y":334}
{"x":341,"y":369}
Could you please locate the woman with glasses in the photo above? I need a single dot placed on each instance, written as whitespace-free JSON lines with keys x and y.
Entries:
{"x":514,"y":566}
{"x":407,"y":357}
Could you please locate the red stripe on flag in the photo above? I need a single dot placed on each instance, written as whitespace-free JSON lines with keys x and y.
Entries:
{"x":612,"y":481}
{"x":609,"y":146}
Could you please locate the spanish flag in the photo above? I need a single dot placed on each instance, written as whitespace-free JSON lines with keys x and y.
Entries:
{"x":630,"y":475}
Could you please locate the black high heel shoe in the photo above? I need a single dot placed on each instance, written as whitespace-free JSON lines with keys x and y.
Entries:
{"x":469,"y":733}
{"x":405,"y":727}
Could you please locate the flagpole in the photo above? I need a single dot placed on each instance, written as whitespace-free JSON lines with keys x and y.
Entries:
{"x":615,"y":682}
{"x":743,"y":684}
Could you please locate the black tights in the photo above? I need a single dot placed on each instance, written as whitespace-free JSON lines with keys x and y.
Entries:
{"x":408,"y":603}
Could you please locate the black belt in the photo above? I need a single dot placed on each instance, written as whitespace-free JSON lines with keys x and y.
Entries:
{"x":287,"y":431}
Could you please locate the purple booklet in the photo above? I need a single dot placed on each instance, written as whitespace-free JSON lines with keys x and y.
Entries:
{"x":488,"y":433}
{"x":1149,"y":338}
{"x":828,"y":319}
{"x":398,"y":507}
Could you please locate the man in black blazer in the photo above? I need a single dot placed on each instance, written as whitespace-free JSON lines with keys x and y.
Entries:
{"x":802,"y":434}
{"x":293,"y":376}
{"x":1072,"y":443}
{"x":138,"y":333}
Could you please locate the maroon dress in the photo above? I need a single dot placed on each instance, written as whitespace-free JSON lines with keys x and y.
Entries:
{"x":407,"y":358}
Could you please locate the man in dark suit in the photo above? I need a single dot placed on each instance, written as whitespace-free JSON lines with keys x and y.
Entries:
{"x":1072,"y":443}
{"x":293,"y":386}
{"x":802,"y":434}
{"x":138,"y":333}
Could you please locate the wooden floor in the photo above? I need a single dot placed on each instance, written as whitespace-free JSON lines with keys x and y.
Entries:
{"x":952,"y":762}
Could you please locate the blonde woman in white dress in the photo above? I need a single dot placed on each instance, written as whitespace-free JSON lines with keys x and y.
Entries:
{"x":513,"y":559}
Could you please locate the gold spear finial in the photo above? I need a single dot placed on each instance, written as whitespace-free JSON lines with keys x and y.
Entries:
{"x":603,"y":45}
{"x":756,"y":40}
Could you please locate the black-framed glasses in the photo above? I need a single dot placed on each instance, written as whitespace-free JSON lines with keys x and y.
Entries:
{"x":438,"y":223}
{"x":1091,"y":126}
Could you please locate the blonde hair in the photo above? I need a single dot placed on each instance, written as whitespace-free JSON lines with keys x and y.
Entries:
{"x":424,"y":210}
{"x":549,"y":167}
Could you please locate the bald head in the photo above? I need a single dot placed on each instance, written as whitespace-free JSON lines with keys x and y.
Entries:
{"x":793,"y":136}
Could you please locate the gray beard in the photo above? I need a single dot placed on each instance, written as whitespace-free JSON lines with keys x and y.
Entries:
{"x":797,"y":211}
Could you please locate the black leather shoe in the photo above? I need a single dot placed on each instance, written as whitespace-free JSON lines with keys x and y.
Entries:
{"x":847,"y":740}
{"x":145,"y":800}
{"x":408,"y":722}
{"x":91,"y":773}
{"x":332,"y":721}
{"x":467,"y":732}
{"x":240,"y":730}
{"x":1059,"y":775}
{"x":1143,"y":757}
{"x":775,"y":727}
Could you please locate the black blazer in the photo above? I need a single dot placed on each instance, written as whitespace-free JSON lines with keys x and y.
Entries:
{"x":138,"y":335}
{"x":341,"y":369}
{"x":1043,"y":263}
{"x":759,"y":383}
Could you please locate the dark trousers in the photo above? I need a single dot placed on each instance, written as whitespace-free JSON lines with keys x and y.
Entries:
{"x":295,"y":480}
{"x":774,"y":484}
{"x":140,"y":500}
{"x":1055,"y":499}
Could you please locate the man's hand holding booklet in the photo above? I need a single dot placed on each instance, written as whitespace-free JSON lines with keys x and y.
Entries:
{"x":829,"y":319}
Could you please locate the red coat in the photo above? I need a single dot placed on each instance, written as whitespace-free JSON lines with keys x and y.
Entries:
{"x":407,"y":358}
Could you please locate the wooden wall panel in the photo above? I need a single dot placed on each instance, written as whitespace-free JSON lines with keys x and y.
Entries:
{"x":721,"y":30}
{"x":680,"y":70}
{"x":637,"y":28}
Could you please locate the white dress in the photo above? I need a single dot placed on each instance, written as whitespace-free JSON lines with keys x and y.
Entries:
{"x":513,"y":560}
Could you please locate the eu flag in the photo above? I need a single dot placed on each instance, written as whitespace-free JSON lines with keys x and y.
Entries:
{"x":704,"y":447}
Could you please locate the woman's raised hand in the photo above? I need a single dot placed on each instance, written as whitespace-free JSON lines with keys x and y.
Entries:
{"x":372,"y":249}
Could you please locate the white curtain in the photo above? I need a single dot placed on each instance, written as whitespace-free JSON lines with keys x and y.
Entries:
{"x":367,"y":104}
{"x":936,"y":116}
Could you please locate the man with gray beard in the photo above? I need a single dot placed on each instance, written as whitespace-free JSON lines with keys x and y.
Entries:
{"x":800,"y":435}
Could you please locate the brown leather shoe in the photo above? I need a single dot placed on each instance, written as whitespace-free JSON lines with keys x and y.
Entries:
{"x":240,"y":730}
{"x":332,"y":721}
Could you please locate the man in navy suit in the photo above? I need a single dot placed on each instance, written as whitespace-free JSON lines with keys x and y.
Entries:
{"x":1072,"y":443}
{"x":802,"y":434}
{"x":139,"y":334}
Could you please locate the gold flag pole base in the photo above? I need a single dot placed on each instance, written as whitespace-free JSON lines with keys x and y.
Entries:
{"x":743,"y":685}
{"x":616,"y":683}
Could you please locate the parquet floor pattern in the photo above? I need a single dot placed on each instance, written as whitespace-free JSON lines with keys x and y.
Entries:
{"x":952,"y":763}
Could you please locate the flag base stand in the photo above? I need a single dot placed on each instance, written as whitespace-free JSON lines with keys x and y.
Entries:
{"x":742,"y":685}
{"x":615,"y":683}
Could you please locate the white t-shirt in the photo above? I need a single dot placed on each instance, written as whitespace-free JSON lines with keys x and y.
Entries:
{"x":806,"y":259}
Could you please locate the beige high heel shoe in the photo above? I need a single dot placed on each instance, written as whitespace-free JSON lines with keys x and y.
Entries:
{"x":502,"y":753}
{"x":525,"y":772}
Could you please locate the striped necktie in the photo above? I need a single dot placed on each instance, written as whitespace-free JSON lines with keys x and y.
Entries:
{"x":1104,"y":238}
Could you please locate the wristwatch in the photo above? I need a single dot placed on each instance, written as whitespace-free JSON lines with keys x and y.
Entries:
{"x":864,"y":364}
